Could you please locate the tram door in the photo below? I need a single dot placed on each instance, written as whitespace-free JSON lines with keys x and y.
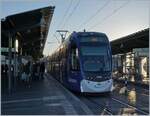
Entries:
{"x":74,"y":59}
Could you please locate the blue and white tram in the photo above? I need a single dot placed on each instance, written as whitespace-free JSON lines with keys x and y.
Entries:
{"x":83,"y":63}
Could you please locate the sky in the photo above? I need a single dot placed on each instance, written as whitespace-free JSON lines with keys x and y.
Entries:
{"x":116,"y":18}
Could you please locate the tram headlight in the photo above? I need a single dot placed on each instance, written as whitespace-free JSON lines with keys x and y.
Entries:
{"x":90,"y":78}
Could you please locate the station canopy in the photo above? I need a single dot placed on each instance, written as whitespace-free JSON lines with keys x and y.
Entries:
{"x":30,"y":28}
{"x":125,"y":44}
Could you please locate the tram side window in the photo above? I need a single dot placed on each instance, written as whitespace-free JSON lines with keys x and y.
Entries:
{"x":74,"y":59}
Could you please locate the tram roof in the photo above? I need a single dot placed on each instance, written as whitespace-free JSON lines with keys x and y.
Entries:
{"x":125,"y":44}
{"x":31,"y":29}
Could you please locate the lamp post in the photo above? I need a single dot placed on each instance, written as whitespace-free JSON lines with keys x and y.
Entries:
{"x":16,"y":45}
{"x":15,"y":61}
{"x":9,"y":65}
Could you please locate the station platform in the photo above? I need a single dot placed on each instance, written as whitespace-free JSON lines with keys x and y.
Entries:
{"x":46,"y":97}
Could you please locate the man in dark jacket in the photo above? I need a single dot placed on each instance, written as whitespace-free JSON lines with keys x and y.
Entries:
{"x":42,"y":70}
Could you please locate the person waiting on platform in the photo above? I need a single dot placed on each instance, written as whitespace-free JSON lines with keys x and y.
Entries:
{"x":42,"y":70}
{"x":23,"y":75}
{"x":26,"y":75}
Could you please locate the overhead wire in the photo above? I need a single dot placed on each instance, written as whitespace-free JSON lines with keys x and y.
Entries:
{"x":57,"y":38}
{"x":95,"y":14}
{"x":65,"y":14}
{"x":112,"y":13}
{"x":71,"y":13}
{"x":63,"y":19}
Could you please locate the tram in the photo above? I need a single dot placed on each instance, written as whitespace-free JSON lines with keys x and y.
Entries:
{"x":83,"y":63}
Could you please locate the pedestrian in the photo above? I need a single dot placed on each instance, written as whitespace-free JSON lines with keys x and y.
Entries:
{"x":34,"y":71}
{"x":6,"y":73}
{"x":26,"y":74}
{"x":20,"y":71}
{"x":42,"y":70}
{"x":126,"y":82}
{"x":23,"y":75}
{"x":3,"y":78}
{"x":3,"y":70}
{"x":38,"y":71}
{"x":29,"y":72}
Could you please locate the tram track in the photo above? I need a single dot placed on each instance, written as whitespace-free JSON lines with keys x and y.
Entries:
{"x":134,"y":97}
{"x":124,"y":99}
{"x":106,"y":109}
{"x":99,"y":107}
{"x":145,"y":93}
{"x":131,"y":106}
{"x":138,"y":90}
{"x":120,"y":102}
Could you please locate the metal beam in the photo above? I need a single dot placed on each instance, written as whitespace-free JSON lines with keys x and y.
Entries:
{"x":24,"y":28}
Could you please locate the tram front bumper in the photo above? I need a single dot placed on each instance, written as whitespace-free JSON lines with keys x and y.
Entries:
{"x":98,"y":87}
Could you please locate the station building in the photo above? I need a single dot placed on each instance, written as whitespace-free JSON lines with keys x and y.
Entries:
{"x":131,"y":57}
{"x":23,"y":37}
